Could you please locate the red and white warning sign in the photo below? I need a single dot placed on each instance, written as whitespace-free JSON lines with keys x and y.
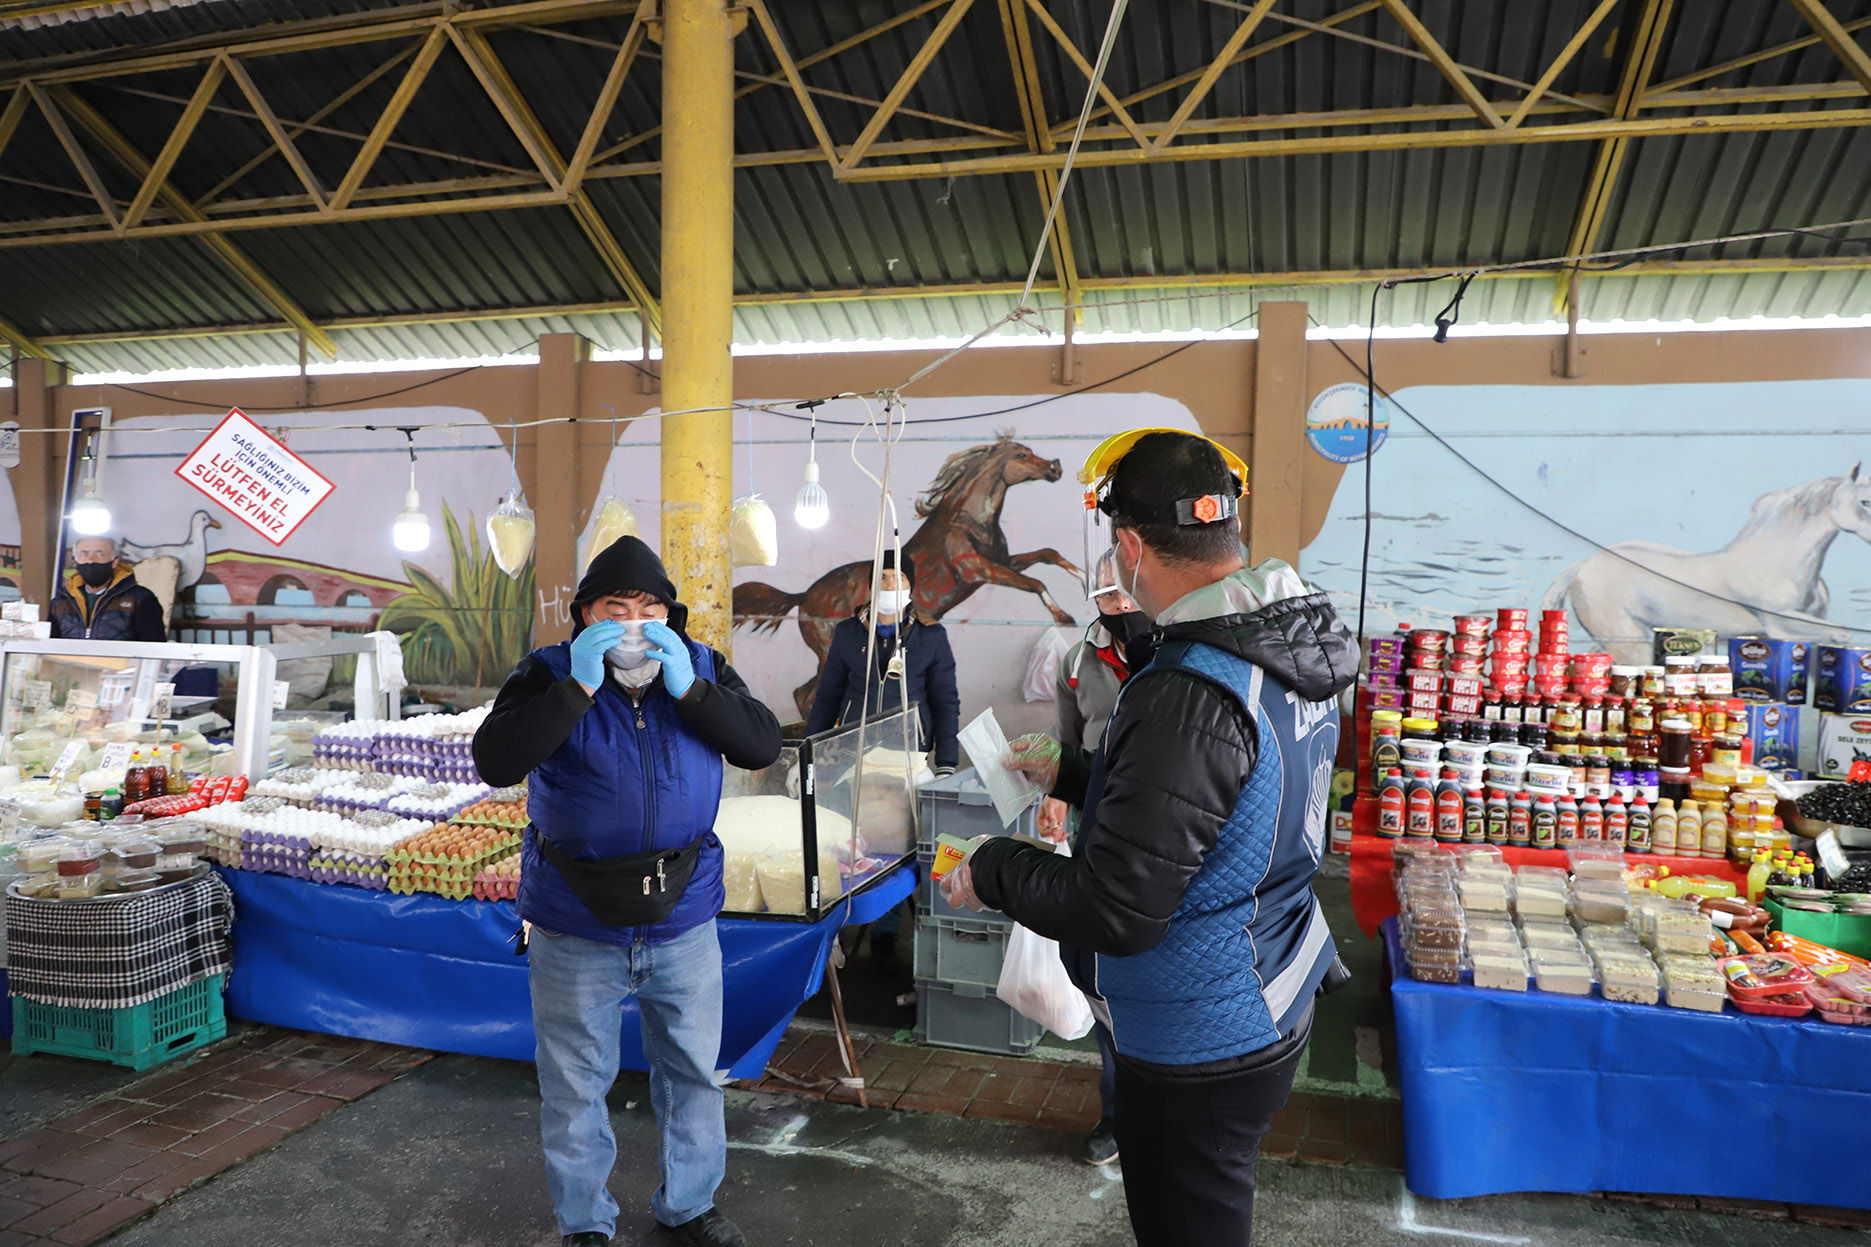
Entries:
{"x":242,"y":467}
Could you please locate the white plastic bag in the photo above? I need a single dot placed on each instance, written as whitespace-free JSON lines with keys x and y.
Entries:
{"x":1012,"y":791}
{"x":1042,"y":666}
{"x":753,"y":533}
{"x":1034,"y":984}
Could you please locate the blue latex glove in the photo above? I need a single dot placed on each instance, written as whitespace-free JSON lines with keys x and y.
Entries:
{"x":678,"y":668}
{"x":588,"y":651}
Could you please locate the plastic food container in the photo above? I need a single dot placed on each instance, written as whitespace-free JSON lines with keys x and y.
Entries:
{"x":1485,"y":928}
{"x":1421,"y":753}
{"x":1563,"y":975}
{"x":1549,"y":936}
{"x":1486,"y":895}
{"x":1500,"y":970}
{"x":1435,"y":932}
{"x":40,"y":856}
{"x":1763,"y":975}
{"x":1596,"y":862}
{"x":40,"y":886}
{"x":137,"y":881}
{"x":1832,"y":1006}
{"x":1853,"y":984}
{"x":1467,"y":753}
{"x":1628,"y":980}
{"x":138,"y":854}
{"x":1782,"y":1005}
{"x":1549,"y":779}
{"x":1600,"y":901}
{"x":78,"y":858}
{"x":80,"y":887}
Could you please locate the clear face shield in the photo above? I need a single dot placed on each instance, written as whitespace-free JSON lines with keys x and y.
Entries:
{"x":1095,"y":476}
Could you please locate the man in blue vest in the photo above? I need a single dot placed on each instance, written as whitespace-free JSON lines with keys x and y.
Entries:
{"x":1186,"y":912}
{"x":621,"y":733}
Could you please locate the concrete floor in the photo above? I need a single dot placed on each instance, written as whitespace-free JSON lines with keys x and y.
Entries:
{"x":449,"y":1155}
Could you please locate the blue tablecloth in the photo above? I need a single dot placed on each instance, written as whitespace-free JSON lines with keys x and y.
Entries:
{"x":1504,"y":1091}
{"x":434,"y":973}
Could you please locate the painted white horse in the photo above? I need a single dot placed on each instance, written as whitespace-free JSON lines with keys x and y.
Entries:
{"x":1766,"y":581}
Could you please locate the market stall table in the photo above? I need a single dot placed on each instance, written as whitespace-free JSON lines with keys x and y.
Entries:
{"x":1374,"y":896}
{"x":434,"y":973}
{"x":1511,"y":1091}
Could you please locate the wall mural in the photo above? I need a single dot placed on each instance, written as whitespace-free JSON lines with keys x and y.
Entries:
{"x":991,"y":520}
{"x":1700,"y":528}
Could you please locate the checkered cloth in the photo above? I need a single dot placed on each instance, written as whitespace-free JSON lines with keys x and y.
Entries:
{"x":114,"y":952}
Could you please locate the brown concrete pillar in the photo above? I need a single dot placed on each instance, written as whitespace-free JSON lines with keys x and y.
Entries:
{"x":553,"y":491}
{"x":36,"y":480}
{"x":1276,"y":467}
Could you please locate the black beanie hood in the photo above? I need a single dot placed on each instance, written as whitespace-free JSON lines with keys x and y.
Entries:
{"x":628,"y":565}
{"x":889,"y":563}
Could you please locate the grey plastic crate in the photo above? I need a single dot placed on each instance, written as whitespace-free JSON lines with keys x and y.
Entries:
{"x":957,"y":953}
{"x":930,"y":903}
{"x":956,"y":1015}
{"x":959,"y":806}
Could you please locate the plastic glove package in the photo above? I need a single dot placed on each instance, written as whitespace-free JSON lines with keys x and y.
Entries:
{"x":986,"y":744}
{"x":1034,"y":984}
{"x":510,"y":533}
{"x":753,"y":534}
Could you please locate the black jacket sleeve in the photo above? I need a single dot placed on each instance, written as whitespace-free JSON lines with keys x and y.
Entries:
{"x":532,"y":717}
{"x":833,"y":677}
{"x":1178,"y":753}
{"x":146,"y":623}
{"x":1074,"y":775}
{"x":723,"y":713}
{"x":944,"y":701}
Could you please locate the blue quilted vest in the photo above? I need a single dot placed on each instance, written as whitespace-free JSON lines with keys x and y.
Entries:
{"x":1249,"y":944}
{"x":623,"y":782}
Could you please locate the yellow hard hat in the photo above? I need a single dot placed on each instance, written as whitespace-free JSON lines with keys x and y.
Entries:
{"x":1103,"y":461}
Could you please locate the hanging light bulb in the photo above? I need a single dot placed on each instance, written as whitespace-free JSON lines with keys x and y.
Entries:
{"x":410,"y":531}
{"x":813,"y":507}
{"x":89,"y":516}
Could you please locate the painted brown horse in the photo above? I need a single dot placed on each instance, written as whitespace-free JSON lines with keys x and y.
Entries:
{"x":958,"y":548}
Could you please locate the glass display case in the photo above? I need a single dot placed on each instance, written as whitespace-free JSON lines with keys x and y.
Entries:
{"x":831,"y":818}
{"x":216,"y":701}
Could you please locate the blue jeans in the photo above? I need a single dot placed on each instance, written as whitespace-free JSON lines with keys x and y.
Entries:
{"x":579,"y":987}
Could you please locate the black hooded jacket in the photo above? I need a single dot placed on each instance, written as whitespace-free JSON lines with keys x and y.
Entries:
{"x":535,"y":713}
{"x":1178,"y":752}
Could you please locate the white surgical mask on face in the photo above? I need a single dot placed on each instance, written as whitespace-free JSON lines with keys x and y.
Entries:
{"x":893,"y":601}
{"x":1128,"y":590}
{"x":633,"y":652}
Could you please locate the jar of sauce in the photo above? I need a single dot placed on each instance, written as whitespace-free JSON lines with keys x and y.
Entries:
{"x":1714,"y":716}
{"x":1676,"y":744}
{"x":1567,"y":716}
{"x":1626,"y":682}
{"x":1653,"y":685}
{"x":1617,"y":716}
{"x":1715,"y":676}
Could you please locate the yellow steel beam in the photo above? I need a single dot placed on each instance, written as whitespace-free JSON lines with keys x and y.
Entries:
{"x":77,"y":155}
{"x":606,"y":102}
{"x":1259,"y":49}
{"x":790,"y":70}
{"x":1752,"y":58}
{"x":24,"y":344}
{"x":268,"y":118}
{"x":392,"y":113}
{"x":11,"y":115}
{"x":1829,"y":29}
{"x":911,"y":73}
{"x":500,"y":89}
{"x":300,"y":128}
{"x":230,"y":255}
{"x":1212,"y":74}
{"x":1596,"y":201}
{"x":590,"y":221}
{"x":192,"y":114}
{"x":1085,"y":67}
{"x":1019,"y":40}
{"x":1561,"y":61}
{"x":1444,"y":63}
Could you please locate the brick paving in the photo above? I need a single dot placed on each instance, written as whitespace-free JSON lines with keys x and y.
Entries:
{"x":91,"y":1172}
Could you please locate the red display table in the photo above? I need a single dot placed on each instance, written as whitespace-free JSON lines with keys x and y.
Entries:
{"x":1374,"y":898}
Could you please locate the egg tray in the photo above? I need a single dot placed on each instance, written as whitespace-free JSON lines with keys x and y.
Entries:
{"x":496,"y":888}
{"x":401,"y":857}
{"x":454,"y":891}
{"x":451,"y":872}
{"x":462,"y":820}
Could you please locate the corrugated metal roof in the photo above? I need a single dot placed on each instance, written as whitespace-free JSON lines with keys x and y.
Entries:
{"x":798,"y":230}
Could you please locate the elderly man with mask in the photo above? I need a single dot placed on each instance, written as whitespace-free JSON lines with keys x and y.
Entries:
{"x":101,"y":600}
{"x":621,"y":734}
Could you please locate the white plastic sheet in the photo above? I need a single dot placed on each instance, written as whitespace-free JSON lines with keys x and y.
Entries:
{"x":1011,"y":791}
{"x":1042,"y":666}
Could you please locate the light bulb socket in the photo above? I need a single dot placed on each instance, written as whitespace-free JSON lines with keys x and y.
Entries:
{"x":812,"y":471}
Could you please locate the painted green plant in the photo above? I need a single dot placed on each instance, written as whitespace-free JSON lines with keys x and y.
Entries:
{"x":470,"y":635}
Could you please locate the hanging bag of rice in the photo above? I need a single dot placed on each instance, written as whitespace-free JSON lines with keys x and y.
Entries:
{"x":615,"y":520}
{"x":753,"y":534}
{"x":510,"y":533}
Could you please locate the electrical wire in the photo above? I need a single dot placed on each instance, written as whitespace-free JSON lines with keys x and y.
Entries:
{"x":1374,"y":388}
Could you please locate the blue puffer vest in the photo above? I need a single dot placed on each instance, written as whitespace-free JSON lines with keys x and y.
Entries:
{"x":1249,"y":944}
{"x":623,"y":783}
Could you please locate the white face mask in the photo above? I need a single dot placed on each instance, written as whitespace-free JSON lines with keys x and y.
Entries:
{"x":633,"y":652}
{"x":893,"y":601}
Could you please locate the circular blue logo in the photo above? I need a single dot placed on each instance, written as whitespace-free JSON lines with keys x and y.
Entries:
{"x":1335,"y":422}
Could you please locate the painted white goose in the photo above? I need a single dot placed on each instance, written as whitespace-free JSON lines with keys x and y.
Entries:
{"x":191,"y":554}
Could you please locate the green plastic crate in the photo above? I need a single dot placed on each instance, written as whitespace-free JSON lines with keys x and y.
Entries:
{"x":1849,"y":933}
{"x":140,"y":1036}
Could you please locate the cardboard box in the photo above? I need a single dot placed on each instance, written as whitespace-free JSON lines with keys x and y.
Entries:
{"x":1767,"y":670}
{"x":1680,"y":642}
{"x":1843,"y":740}
{"x":1841,"y":678}
{"x":1776,"y":732}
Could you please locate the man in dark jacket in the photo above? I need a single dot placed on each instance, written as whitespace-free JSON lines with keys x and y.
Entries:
{"x":621,"y":733}
{"x":1186,"y":913}
{"x":101,"y":600}
{"x":852,"y":672}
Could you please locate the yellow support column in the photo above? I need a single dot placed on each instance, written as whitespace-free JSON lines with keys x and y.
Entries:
{"x":698,"y":308}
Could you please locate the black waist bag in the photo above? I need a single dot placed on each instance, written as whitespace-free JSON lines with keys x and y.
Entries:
{"x":636,"y":890}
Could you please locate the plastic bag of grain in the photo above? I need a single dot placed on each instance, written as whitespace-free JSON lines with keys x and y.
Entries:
{"x":510,"y":533}
{"x":615,"y":520}
{"x":753,"y":533}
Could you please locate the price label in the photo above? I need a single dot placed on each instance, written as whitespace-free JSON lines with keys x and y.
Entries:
{"x":160,"y":702}
{"x":281,"y":690}
{"x":67,"y":758}
{"x":83,"y":699}
{"x":116,"y":757}
{"x":35,"y":693}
